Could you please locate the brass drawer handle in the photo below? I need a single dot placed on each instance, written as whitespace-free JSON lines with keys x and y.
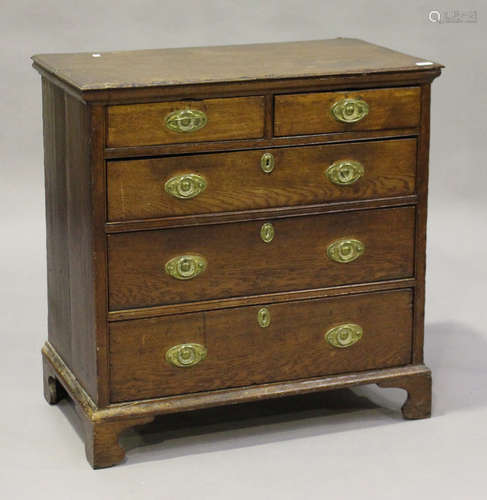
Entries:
{"x":185,"y":186}
{"x":345,"y":250}
{"x":186,"y":355}
{"x":267,"y":232}
{"x":345,"y":335}
{"x":186,"y":120}
{"x":264,"y":317}
{"x":267,"y":163}
{"x":185,"y":267}
{"x":350,"y":110}
{"x":345,"y":172}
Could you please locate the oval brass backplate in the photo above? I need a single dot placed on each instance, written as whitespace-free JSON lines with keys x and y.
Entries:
{"x":267,"y":232}
{"x":345,"y":172}
{"x":345,"y":335}
{"x":350,"y":110}
{"x":345,"y":250}
{"x":267,"y":163}
{"x":186,"y":120}
{"x":264,"y":317}
{"x":185,"y":186}
{"x":185,"y":267}
{"x":186,"y":355}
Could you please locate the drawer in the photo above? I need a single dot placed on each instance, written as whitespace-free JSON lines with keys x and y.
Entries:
{"x":324,"y":112}
{"x":148,"y":268}
{"x":207,"y":183}
{"x":230,"y":348}
{"x":185,"y":121}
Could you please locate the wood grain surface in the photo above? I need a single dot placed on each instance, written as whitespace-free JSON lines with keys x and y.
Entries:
{"x":240,"y":263}
{"x":421,"y":219}
{"x":57,"y":250}
{"x":240,"y":352}
{"x":160,"y":67}
{"x":144,"y":124}
{"x":236,"y":181}
{"x":310,"y":113}
{"x":70,"y":228}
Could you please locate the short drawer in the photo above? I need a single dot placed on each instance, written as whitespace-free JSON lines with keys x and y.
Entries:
{"x":208,"y":183}
{"x":235,"y":347}
{"x":148,"y":268}
{"x":185,"y":121}
{"x":325,"y":112}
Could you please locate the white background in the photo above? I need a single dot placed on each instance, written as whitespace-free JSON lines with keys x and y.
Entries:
{"x":357,"y":448}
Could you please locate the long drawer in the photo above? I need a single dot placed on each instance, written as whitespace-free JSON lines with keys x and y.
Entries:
{"x":148,"y":268}
{"x":250,"y":345}
{"x":223,"y":182}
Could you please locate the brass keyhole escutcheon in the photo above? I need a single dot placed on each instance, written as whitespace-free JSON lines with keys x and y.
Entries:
{"x":264,"y":317}
{"x":267,"y":232}
{"x":267,"y":163}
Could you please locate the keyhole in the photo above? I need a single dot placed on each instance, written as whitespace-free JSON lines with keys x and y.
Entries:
{"x":267,"y":232}
{"x":267,"y":163}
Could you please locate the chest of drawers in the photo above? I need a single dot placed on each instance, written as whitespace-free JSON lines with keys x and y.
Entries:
{"x":229,"y":224}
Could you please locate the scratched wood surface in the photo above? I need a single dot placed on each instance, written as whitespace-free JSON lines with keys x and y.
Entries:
{"x":182,"y":66}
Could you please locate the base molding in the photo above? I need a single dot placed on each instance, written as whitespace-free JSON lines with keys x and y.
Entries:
{"x":103,"y":425}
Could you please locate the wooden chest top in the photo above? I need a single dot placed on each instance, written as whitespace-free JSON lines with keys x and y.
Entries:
{"x":233,"y":63}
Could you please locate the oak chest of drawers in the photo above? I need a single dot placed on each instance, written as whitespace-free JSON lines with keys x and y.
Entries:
{"x":228,"y":224}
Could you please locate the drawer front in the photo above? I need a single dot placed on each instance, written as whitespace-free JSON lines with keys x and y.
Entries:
{"x":324,"y":112}
{"x":207,"y":183}
{"x":230,"y":348}
{"x":185,"y":121}
{"x":239,"y":259}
